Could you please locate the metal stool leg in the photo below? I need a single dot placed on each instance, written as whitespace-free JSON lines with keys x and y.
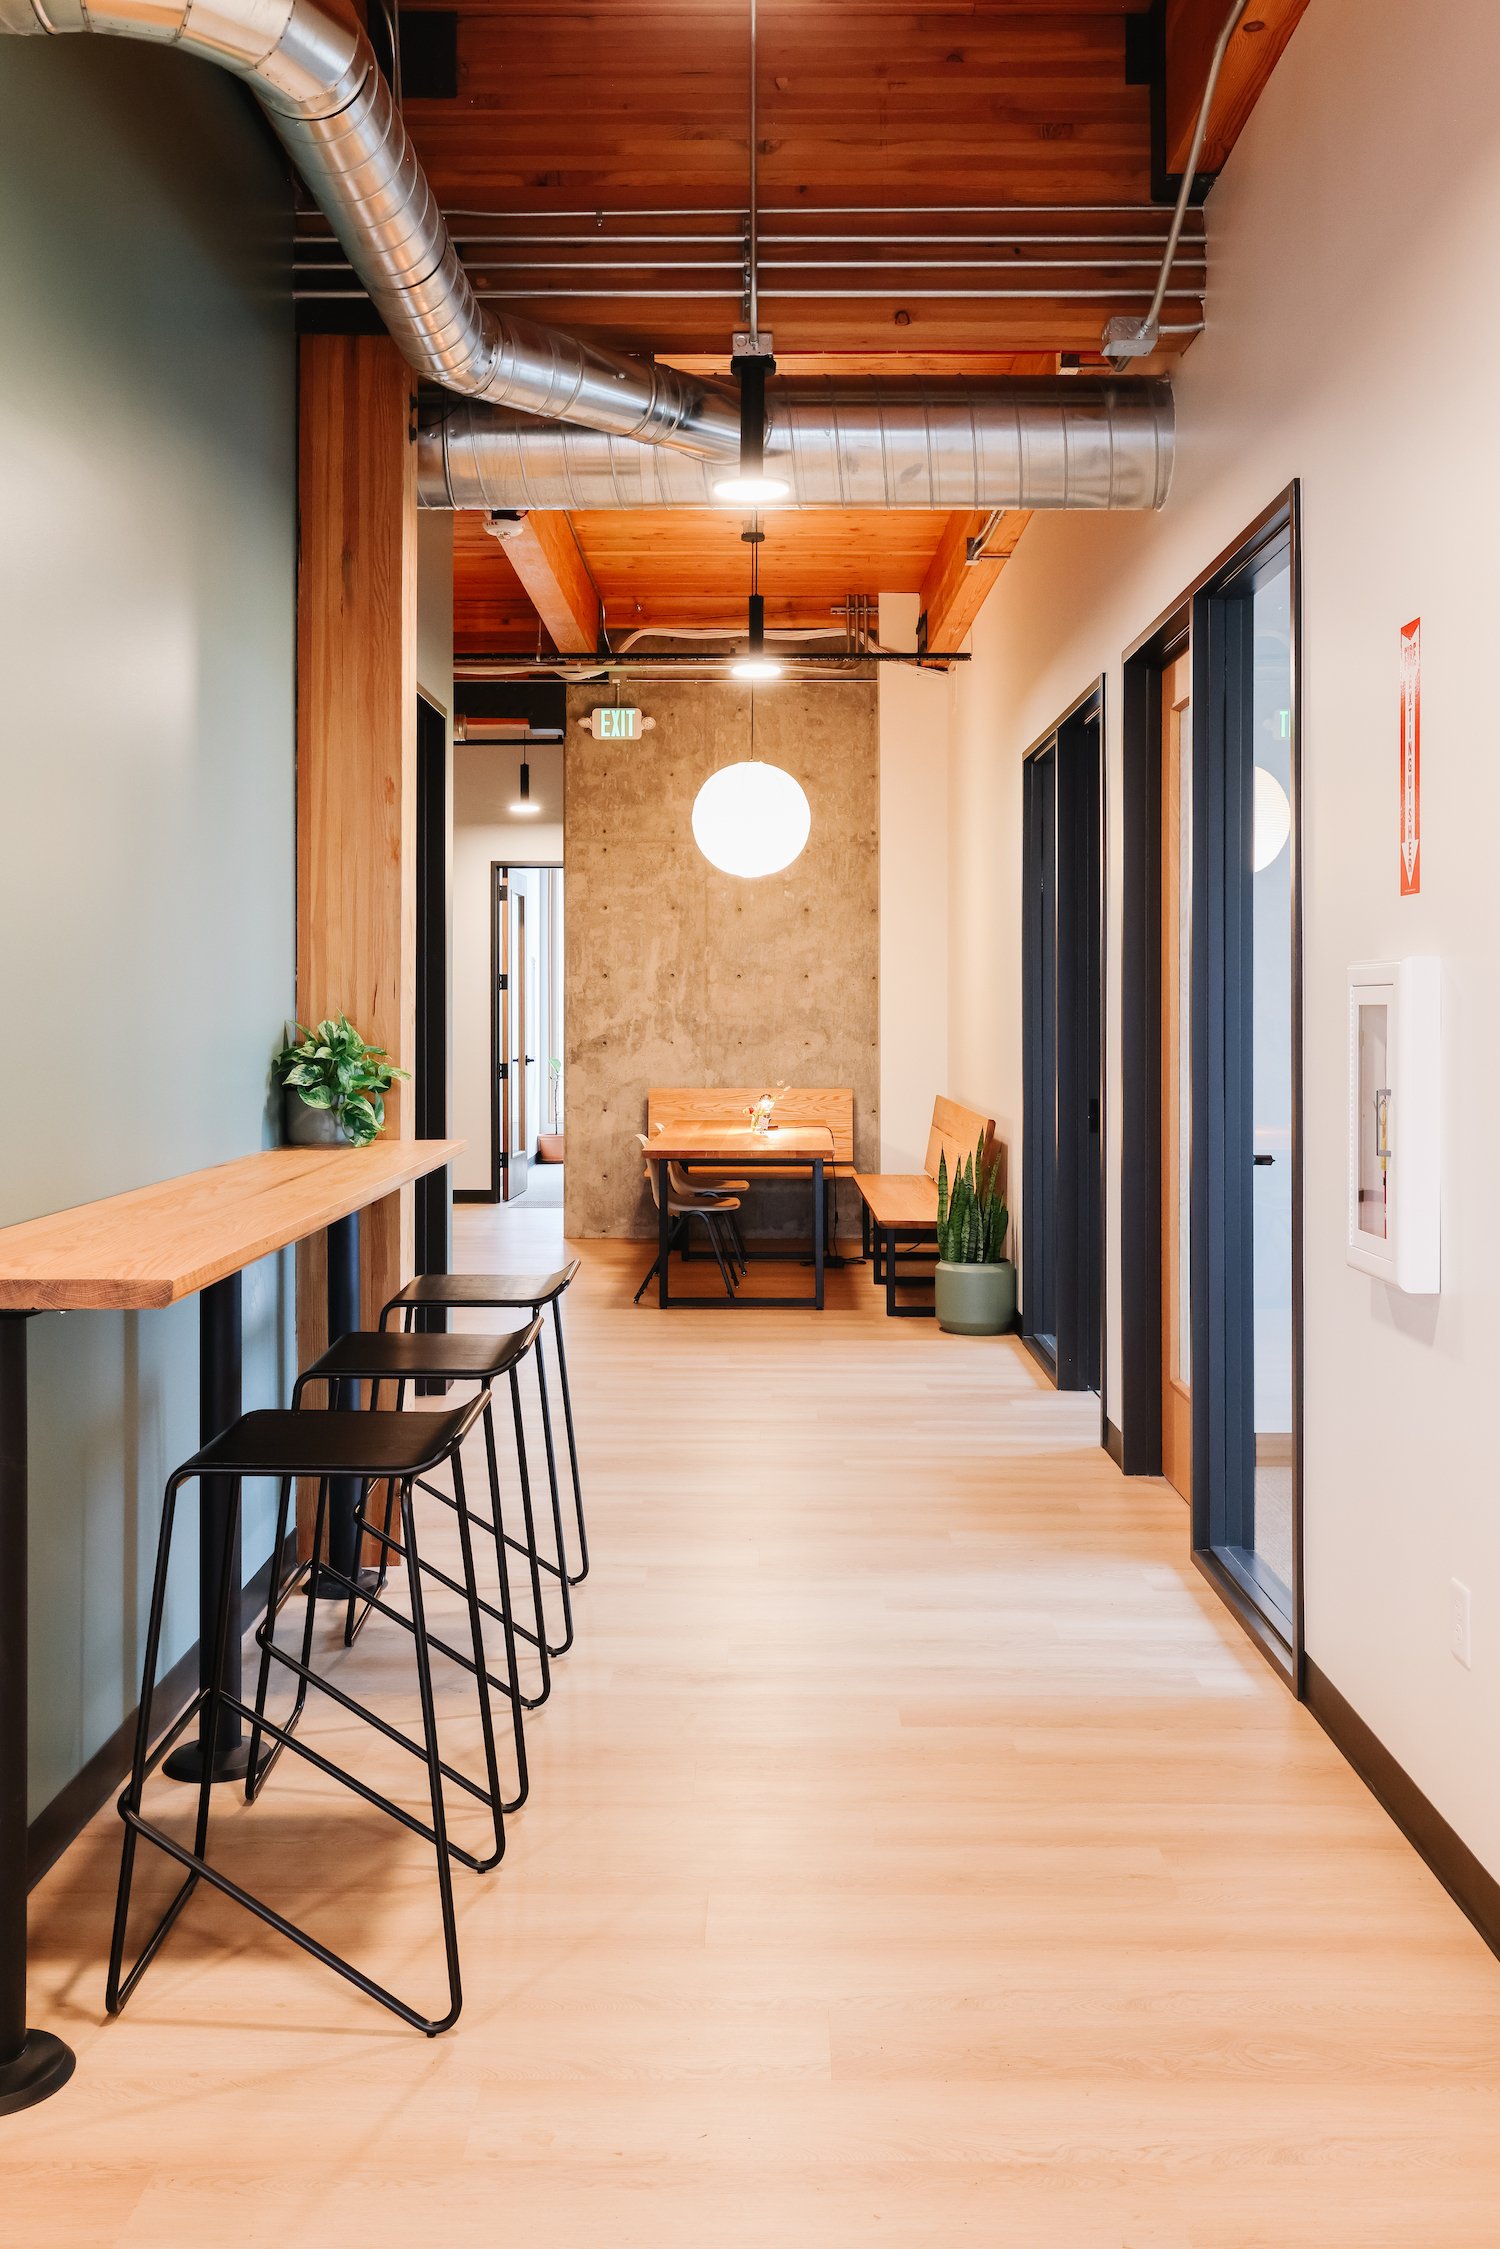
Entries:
{"x":560,"y":1544}
{"x":117,"y":1989}
{"x":434,"y":1765}
{"x":567,"y":1399}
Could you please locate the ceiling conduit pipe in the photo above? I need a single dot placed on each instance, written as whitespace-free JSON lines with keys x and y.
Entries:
{"x":319,"y":83}
{"x":1068,"y":443}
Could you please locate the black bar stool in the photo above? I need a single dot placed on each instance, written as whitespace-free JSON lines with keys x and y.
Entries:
{"x":516,"y":1292}
{"x":382,"y":1357}
{"x":371,"y":1447}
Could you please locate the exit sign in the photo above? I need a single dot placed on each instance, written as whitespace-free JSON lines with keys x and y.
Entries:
{"x":616,"y":722}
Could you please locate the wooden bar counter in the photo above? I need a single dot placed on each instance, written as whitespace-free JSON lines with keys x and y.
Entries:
{"x":139,"y":1252}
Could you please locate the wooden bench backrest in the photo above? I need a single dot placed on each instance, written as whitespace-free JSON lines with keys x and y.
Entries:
{"x":955,"y":1134}
{"x":671,"y":1106}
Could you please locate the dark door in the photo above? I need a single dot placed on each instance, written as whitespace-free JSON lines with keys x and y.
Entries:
{"x":1040,"y":1167}
{"x":433,"y":1195}
{"x":1062,"y":1175}
{"x":1246,"y":1002}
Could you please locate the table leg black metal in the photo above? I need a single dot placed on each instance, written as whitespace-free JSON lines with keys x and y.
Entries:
{"x":220,"y":1361}
{"x":663,"y":1233}
{"x":343,"y":1491}
{"x":33,"y":2063}
{"x":817,"y":1222}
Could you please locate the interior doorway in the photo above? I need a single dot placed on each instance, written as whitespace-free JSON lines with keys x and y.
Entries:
{"x":1063,"y":1073}
{"x":1211,"y":1216}
{"x":1176,"y":1080}
{"x":526,"y":1037}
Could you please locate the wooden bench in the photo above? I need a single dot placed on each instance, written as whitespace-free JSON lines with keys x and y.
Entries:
{"x":670,"y":1107}
{"x":898,"y":1218}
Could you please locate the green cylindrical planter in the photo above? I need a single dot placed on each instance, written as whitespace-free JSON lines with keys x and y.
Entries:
{"x":975,"y":1299}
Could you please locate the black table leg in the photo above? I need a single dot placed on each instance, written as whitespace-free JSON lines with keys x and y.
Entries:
{"x":343,"y":1491}
{"x":663,"y":1232}
{"x":220,"y":1359}
{"x":33,"y":2063}
{"x":817,"y":1220}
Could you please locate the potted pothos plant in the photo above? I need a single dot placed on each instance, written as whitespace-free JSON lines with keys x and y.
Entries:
{"x":334,"y":1085}
{"x":974,"y":1288}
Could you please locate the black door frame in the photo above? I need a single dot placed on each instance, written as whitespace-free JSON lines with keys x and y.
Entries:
{"x":433,"y":1201}
{"x":1076,"y":1099}
{"x":1212,"y":614}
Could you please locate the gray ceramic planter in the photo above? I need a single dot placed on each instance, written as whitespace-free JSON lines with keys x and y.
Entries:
{"x":310,"y":1128}
{"x":975,"y":1299}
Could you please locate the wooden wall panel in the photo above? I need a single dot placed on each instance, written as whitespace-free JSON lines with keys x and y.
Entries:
{"x":356,"y":740}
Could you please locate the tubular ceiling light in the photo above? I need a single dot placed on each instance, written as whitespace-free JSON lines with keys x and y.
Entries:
{"x":523,"y":803}
{"x":756,"y":663}
{"x":750,"y":486}
{"x":1273,"y":820}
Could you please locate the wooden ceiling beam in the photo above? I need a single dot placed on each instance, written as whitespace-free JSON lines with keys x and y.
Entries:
{"x":954,"y":590}
{"x":546,"y":557}
{"x":1192,"y":28}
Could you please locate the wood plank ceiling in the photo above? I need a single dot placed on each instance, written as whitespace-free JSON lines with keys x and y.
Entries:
{"x":912,"y":153}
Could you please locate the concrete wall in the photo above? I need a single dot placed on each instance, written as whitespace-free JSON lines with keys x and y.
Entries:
{"x":1351,"y":343}
{"x":147,"y":592}
{"x":486,"y":779}
{"x":679,"y":975}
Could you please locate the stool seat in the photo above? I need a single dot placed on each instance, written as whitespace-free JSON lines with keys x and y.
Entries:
{"x":486,"y":1291}
{"x":387,"y":1355}
{"x":275,"y":1443}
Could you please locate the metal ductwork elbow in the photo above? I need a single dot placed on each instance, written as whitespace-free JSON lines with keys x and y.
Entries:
{"x":1068,"y":443}
{"x":319,"y":83}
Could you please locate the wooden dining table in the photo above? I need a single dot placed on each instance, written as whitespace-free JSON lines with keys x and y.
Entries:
{"x":140,"y":1252}
{"x":739,"y":1148}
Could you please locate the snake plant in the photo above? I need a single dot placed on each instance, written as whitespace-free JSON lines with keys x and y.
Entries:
{"x":971,"y":1216}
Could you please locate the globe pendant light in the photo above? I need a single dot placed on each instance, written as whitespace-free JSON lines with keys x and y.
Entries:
{"x":751,"y":818}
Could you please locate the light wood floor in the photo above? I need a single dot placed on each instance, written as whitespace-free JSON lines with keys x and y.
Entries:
{"x":918,"y":1856}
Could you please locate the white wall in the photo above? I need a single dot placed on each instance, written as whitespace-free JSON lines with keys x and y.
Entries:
{"x":914,"y":714}
{"x":486,"y":779}
{"x":1352,"y":339}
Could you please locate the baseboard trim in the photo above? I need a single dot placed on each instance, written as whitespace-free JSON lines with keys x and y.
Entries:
{"x":1114,"y":1444}
{"x":63,"y":1820}
{"x":1471,"y":1886}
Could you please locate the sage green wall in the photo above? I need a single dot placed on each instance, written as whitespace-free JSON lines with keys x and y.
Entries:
{"x":147,"y":772}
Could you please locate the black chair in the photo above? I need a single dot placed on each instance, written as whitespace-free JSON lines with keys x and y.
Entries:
{"x":386,"y":1358}
{"x":436,"y":1294}
{"x":373,"y":1447}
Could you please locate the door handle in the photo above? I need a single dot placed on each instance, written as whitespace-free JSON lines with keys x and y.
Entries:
{"x":1258,"y":1160}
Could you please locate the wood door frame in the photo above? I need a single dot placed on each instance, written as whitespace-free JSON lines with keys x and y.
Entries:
{"x":1196,"y":614}
{"x":1082,"y":969}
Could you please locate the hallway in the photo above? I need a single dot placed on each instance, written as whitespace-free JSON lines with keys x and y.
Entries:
{"x":918,"y":1854}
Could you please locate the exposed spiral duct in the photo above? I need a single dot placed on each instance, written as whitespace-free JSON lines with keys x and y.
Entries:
{"x":873,"y":444}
